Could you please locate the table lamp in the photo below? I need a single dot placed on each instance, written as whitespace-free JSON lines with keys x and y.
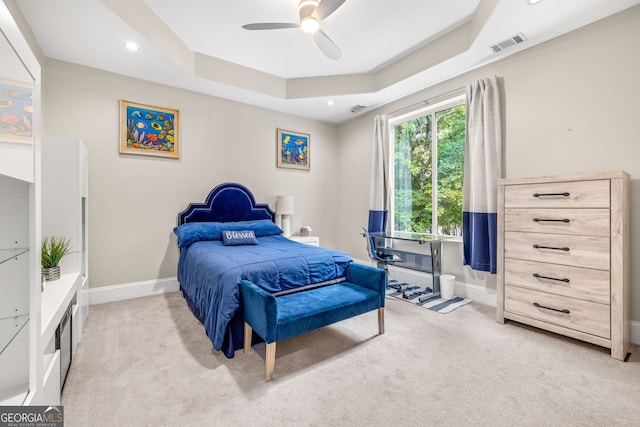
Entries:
{"x":284,"y":207}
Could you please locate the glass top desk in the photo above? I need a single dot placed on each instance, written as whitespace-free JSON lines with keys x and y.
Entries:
{"x":421,"y":252}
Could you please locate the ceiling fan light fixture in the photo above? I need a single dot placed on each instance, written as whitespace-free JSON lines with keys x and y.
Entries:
{"x":311,"y":13}
{"x":309,"y":25}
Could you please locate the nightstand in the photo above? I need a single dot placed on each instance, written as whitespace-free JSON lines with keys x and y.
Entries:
{"x":309,"y":240}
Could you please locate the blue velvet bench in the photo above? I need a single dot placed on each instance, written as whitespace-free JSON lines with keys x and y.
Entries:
{"x":278,"y":318}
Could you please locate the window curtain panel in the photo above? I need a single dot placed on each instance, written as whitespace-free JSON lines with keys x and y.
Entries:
{"x":482,"y":169}
{"x":380,"y":193}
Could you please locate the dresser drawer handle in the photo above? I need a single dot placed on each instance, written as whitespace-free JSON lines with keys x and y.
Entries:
{"x":565,"y":311}
{"x":551,"y":220}
{"x":538,"y":276}
{"x":565,"y":194}
{"x":566,"y":249}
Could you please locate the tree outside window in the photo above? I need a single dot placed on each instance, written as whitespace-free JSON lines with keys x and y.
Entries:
{"x":428,"y":154}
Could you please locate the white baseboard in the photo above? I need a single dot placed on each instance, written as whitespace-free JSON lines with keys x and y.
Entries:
{"x":477,"y":293}
{"x":113,"y":293}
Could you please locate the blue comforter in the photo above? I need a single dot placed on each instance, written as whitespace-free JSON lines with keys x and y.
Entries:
{"x":209,"y":274}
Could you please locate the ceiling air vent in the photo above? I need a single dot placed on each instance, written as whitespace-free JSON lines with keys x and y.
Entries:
{"x":357,"y":108}
{"x":511,"y":41}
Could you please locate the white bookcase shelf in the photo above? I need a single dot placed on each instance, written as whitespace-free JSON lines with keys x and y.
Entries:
{"x":20,"y":358}
{"x":9,"y":254}
{"x":15,"y":285}
{"x":56,"y":297}
{"x":10,"y":327}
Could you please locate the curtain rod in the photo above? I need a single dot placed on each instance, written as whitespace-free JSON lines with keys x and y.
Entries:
{"x":430,"y":101}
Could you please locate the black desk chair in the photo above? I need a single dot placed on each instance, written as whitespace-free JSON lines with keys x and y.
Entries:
{"x":383,"y":260}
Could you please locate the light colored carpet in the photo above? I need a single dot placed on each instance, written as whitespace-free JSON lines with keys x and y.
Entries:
{"x":147,"y":362}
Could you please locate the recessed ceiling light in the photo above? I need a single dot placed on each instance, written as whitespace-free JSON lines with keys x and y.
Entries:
{"x":330,"y":102}
{"x":132,"y":46}
{"x":533,"y":2}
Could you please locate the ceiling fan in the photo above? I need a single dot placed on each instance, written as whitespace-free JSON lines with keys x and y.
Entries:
{"x":311,"y":13}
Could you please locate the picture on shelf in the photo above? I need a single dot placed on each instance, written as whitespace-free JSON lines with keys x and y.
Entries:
{"x":16,"y":111}
{"x":148,"y":130}
{"x":293,"y":150}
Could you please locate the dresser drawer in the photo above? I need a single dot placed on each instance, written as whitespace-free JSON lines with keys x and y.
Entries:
{"x":578,"y":251}
{"x":584,"y":316}
{"x":571,"y":194}
{"x":590,"y":222}
{"x":575,"y":282}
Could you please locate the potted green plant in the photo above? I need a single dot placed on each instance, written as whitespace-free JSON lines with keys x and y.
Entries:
{"x":53,"y":249}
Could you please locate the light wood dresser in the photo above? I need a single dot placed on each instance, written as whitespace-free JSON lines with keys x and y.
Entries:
{"x":563,"y":256}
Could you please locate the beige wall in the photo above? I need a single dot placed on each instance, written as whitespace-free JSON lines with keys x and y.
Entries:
{"x":569,"y":106}
{"x":133,"y":199}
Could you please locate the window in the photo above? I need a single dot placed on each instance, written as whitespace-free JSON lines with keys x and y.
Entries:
{"x":428,"y":156}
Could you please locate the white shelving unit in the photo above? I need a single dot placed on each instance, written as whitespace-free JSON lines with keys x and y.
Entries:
{"x":56,"y":297}
{"x":43,"y":191}
{"x":15,"y":284}
{"x":20,"y":364}
{"x":15,"y":295}
{"x":64,"y":205}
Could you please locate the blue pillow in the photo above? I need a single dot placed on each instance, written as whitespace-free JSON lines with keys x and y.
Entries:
{"x":237,"y":238}
{"x":198,"y":231}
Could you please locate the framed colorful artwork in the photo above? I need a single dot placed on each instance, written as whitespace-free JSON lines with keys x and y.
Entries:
{"x":293,"y":150}
{"x":16,"y":111}
{"x":149,"y":130}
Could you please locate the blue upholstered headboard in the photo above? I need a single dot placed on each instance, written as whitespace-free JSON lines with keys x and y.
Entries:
{"x":226,"y":202}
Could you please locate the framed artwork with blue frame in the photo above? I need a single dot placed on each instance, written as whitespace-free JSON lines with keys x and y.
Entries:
{"x":293,"y":150}
{"x":149,"y":130}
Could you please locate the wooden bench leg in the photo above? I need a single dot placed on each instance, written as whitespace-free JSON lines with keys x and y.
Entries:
{"x":270,"y":361}
{"x":248,"y":331}
{"x":381,"y":320}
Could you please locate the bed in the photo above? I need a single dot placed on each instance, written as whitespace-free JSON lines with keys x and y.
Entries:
{"x":210,"y":271}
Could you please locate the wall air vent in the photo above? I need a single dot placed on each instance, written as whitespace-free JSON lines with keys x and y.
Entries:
{"x":511,"y":41}
{"x":357,"y":108}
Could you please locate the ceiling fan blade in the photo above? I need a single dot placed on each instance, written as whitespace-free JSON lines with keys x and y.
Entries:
{"x":270,"y":26}
{"x":327,"y":7}
{"x":326,"y":45}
